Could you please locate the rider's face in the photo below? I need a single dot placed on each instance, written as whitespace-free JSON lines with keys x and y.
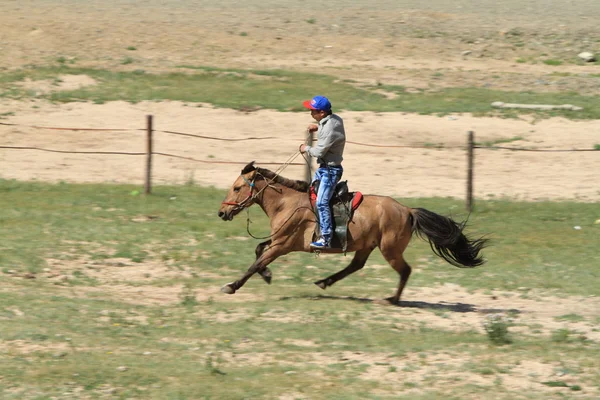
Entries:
{"x":318,"y":114}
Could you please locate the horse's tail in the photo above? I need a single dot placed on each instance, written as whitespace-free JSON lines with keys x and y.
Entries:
{"x":446,"y":238}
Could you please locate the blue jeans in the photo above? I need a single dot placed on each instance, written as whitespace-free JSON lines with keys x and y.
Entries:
{"x":329,"y":177}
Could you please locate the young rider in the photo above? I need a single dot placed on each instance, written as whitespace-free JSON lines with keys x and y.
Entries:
{"x":328,"y":151}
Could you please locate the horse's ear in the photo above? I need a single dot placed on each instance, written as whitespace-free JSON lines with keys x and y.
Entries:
{"x":249,"y":168}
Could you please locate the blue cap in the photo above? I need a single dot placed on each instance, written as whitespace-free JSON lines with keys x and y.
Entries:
{"x":320,"y":103}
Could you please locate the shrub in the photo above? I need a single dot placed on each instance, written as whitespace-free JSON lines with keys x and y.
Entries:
{"x":496,"y":326}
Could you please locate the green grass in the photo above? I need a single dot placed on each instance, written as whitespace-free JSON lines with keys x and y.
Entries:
{"x":190,"y":351}
{"x":532,"y":242}
{"x":553,"y":62}
{"x":281,"y":90}
{"x":570,"y":317}
{"x":181,"y":339}
{"x":499,"y":141}
{"x":7,"y":114}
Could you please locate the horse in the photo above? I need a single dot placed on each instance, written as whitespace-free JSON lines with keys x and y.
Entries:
{"x":379,"y":222}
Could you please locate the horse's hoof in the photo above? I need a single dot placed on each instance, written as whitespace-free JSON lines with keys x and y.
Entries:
{"x":267,"y":276}
{"x":228,"y":289}
{"x":320,"y":284}
{"x":387,"y":302}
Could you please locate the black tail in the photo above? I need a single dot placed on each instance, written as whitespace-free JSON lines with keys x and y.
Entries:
{"x":446,"y":238}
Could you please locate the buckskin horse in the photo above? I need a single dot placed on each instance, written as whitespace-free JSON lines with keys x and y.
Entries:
{"x":380,"y":221}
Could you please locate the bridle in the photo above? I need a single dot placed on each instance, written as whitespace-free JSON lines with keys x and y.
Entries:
{"x":251,"y":196}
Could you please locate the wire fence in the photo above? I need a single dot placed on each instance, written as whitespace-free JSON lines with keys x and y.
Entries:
{"x":471,"y":145}
{"x":476,"y":146}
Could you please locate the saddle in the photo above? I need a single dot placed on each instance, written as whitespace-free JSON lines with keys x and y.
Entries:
{"x":343,"y":203}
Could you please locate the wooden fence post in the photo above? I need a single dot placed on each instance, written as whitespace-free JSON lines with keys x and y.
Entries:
{"x":309,"y":142}
{"x":148,"y":182}
{"x":470,"y":155}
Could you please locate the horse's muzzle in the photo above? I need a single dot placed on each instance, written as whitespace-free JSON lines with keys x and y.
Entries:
{"x":225,"y":216}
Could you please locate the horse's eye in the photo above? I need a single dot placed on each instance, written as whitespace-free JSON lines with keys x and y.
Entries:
{"x":237,"y":189}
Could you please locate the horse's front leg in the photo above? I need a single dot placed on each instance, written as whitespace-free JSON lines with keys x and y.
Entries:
{"x":267,"y":257}
{"x":264,"y":272}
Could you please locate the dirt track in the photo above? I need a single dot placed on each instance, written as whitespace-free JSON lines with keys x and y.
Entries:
{"x":407,"y":172}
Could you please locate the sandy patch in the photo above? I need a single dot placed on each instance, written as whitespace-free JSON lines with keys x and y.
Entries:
{"x":434,"y":164}
{"x":112,"y":270}
{"x":23,"y":347}
{"x":151,"y":295}
{"x":453,"y":308}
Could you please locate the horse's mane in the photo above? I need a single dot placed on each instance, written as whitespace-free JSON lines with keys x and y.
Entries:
{"x":263,"y":173}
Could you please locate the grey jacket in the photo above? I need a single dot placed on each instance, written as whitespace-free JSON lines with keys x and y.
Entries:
{"x":331,"y":139}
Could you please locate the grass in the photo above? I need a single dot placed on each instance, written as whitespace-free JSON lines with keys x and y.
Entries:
{"x":499,"y":141}
{"x":433,"y":145}
{"x":167,"y":335}
{"x":280,"y":90}
{"x":570,"y":317}
{"x":538,"y":235}
{"x":496,"y":326}
{"x":7,"y":114}
{"x":553,"y":62}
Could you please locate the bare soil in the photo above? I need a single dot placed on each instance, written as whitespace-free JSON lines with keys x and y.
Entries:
{"x":421,"y":170}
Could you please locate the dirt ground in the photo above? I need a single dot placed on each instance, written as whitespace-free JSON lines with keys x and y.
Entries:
{"x":406,"y":172}
{"x":416,"y":44}
{"x":443,"y":307}
{"x":459,"y":309}
{"x":419,"y":46}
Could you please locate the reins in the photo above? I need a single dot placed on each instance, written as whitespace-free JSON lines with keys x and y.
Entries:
{"x":251,"y":196}
{"x":248,"y":221}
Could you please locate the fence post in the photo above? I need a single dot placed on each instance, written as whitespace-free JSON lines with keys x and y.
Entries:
{"x":148,"y":181}
{"x":470,"y":155}
{"x":309,"y":142}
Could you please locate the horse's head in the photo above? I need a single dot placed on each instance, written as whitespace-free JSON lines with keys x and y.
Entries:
{"x":240,"y":195}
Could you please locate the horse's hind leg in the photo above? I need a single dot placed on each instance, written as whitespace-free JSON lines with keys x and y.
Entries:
{"x":359,"y":260}
{"x":404,"y":270}
{"x":392,"y":252}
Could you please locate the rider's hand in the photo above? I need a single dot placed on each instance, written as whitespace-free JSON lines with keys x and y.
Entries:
{"x":302,"y":148}
{"x":312,"y":128}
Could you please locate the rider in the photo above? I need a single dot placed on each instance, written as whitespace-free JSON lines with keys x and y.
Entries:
{"x":331,"y":139}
